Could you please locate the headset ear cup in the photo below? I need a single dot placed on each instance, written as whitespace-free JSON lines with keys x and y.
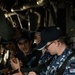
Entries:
{"x":6,"y":30}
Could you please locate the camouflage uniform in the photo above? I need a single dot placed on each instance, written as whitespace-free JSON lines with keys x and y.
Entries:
{"x":44,"y":58}
{"x":58,"y":61}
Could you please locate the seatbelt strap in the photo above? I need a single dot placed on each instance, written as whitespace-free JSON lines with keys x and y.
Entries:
{"x":62,"y":68}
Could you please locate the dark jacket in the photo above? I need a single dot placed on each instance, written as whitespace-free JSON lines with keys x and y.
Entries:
{"x":30,"y":60}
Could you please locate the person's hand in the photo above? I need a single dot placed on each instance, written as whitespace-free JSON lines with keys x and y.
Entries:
{"x":15,"y":64}
{"x":32,"y":73}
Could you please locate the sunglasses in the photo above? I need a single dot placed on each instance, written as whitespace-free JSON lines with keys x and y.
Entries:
{"x":46,"y":47}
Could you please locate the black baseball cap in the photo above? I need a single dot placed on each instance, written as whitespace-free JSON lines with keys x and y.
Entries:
{"x":23,"y":35}
{"x":40,"y":29}
{"x":49,"y":34}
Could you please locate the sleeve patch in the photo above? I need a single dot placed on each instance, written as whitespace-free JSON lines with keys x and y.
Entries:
{"x":71,"y":70}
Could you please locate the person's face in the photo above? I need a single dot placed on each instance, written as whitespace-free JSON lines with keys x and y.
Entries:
{"x":52,"y":47}
{"x":37,"y":38}
{"x":24,"y":45}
